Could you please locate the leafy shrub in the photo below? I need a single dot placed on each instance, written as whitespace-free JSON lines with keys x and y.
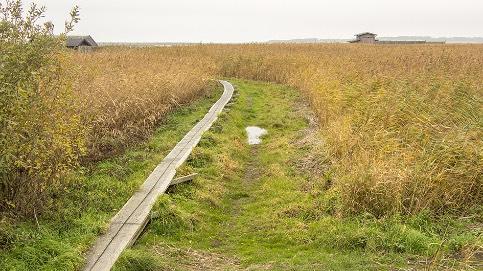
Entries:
{"x":60,"y":108}
{"x":41,"y":135}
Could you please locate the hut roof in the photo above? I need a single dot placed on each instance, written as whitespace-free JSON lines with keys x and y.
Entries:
{"x":366,"y":33}
{"x":76,"y":41}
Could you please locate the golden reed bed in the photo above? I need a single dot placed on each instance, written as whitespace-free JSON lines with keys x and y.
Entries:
{"x":401,"y":125}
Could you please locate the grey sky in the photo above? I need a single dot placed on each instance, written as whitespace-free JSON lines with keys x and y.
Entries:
{"x":261,"y":20}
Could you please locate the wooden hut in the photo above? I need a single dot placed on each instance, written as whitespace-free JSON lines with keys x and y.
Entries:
{"x":81,"y":43}
{"x":366,"y":37}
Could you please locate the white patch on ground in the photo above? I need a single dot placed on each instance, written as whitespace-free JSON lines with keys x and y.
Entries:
{"x":254,"y":133}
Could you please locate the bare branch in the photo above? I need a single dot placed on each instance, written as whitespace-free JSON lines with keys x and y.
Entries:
{"x":74,"y":19}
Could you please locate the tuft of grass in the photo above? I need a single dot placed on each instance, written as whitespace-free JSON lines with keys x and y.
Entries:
{"x":133,"y":260}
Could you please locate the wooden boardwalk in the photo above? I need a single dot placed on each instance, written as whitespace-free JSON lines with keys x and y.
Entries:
{"x":129,"y":222}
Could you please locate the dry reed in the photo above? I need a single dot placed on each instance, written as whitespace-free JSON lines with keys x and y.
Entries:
{"x":126,"y":92}
{"x":402,"y":124}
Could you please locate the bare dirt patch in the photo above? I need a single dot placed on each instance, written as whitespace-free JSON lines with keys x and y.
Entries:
{"x":314,"y":163}
{"x":191,"y":259}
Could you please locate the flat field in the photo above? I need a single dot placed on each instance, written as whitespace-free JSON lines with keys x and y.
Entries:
{"x":389,"y":173}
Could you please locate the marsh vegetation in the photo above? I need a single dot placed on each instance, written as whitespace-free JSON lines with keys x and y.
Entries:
{"x":394,"y":164}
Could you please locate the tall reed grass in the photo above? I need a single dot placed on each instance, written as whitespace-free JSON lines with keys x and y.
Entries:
{"x":125,"y":93}
{"x":402,"y":124}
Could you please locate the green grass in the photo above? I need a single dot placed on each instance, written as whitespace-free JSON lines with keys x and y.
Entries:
{"x":82,"y":210}
{"x":273,"y":206}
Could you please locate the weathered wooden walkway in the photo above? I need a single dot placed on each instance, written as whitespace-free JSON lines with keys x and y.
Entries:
{"x":129,"y":222}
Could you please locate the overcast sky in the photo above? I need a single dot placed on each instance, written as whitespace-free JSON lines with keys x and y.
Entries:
{"x":261,"y":20}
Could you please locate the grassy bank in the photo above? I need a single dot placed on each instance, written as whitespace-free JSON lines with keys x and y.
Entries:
{"x":60,"y":236}
{"x":274,"y":206}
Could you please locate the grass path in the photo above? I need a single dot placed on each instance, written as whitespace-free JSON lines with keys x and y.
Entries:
{"x":254,"y":207}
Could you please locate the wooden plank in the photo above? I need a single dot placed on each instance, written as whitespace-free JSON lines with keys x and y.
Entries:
{"x":183,"y":179}
{"x":129,"y":222}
